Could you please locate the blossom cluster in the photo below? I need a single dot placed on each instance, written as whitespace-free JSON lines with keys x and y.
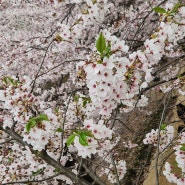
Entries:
{"x":177,"y":176}
{"x":165,"y":138}
{"x":17,"y":99}
{"x":130,"y":145}
{"x":120,"y":171}
{"x":116,"y":78}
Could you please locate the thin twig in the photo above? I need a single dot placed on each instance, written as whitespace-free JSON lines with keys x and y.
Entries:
{"x":36,"y":76}
{"x":158,"y":143}
{"x":116,"y":171}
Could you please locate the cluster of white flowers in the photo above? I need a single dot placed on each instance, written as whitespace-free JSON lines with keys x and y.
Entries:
{"x":129,"y":145}
{"x":171,"y":177}
{"x":113,"y":79}
{"x":16,"y":98}
{"x":118,"y":79}
{"x":106,"y":82}
{"x":100,"y":135}
{"x":166,"y":136}
{"x":93,"y":12}
{"x":99,"y":130}
{"x":119,"y":171}
{"x":171,"y":174}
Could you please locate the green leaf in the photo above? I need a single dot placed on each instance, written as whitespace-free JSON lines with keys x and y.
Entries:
{"x":8,"y":79}
{"x":11,"y":79}
{"x":76,"y":98}
{"x":57,"y":109}
{"x":83,"y":139}
{"x":70,"y":139}
{"x":101,"y":43}
{"x":159,"y":10}
{"x":30,"y":125}
{"x":41,"y":117}
{"x":59,"y":130}
{"x":163,"y":126}
{"x":33,"y":121}
{"x":183,"y":147}
{"x":175,"y":8}
{"x":85,"y":101}
{"x":78,"y":132}
{"x":89,"y":133}
{"x":5,"y":80}
{"x":107,"y":51}
{"x":56,"y":170}
{"x":38,"y":171}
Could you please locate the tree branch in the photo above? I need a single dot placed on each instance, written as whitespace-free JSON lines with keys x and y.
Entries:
{"x":44,"y":156}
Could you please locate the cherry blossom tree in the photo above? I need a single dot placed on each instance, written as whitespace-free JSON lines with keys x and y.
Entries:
{"x":68,"y":69}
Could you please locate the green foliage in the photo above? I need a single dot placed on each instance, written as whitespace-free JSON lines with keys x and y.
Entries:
{"x":183,"y":147}
{"x":38,"y":171}
{"x":76,"y":98}
{"x":41,"y":117}
{"x":159,"y":10}
{"x":57,"y":110}
{"x":103,"y":48}
{"x":9,"y":80}
{"x":35,"y":120}
{"x":101,"y":43}
{"x":85,"y":101}
{"x":82,"y":135}
{"x":163,"y":126}
{"x":56,"y":170}
{"x":168,"y":13}
{"x":30,"y":124}
{"x":59,"y":130}
{"x":107,"y":51}
{"x":175,"y":8}
{"x":83,"y":139}
{"x":70,"y":139}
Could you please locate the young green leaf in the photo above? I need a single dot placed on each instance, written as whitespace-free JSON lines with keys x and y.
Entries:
{"x":8,"y":79}
{"x":83,"y":139}
{"x":38,"y":171}
{"x":5,"y":80}
{"x":183,"y":147}
{"x":163,"y":126}
{"x":107,"y":51}
{"x":85,"y":101}
{"x":57,"y":110}
{"x":101,"y":43}
{"x":89,"y":133}
{"x":76,"y":98}
{"x":175,"y":8}
{"x":30,"y":125}
{"x":70,"y":139}
{"x":41,"y":117}
{"x":59,"y":130}
{"x":159,"y":10}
